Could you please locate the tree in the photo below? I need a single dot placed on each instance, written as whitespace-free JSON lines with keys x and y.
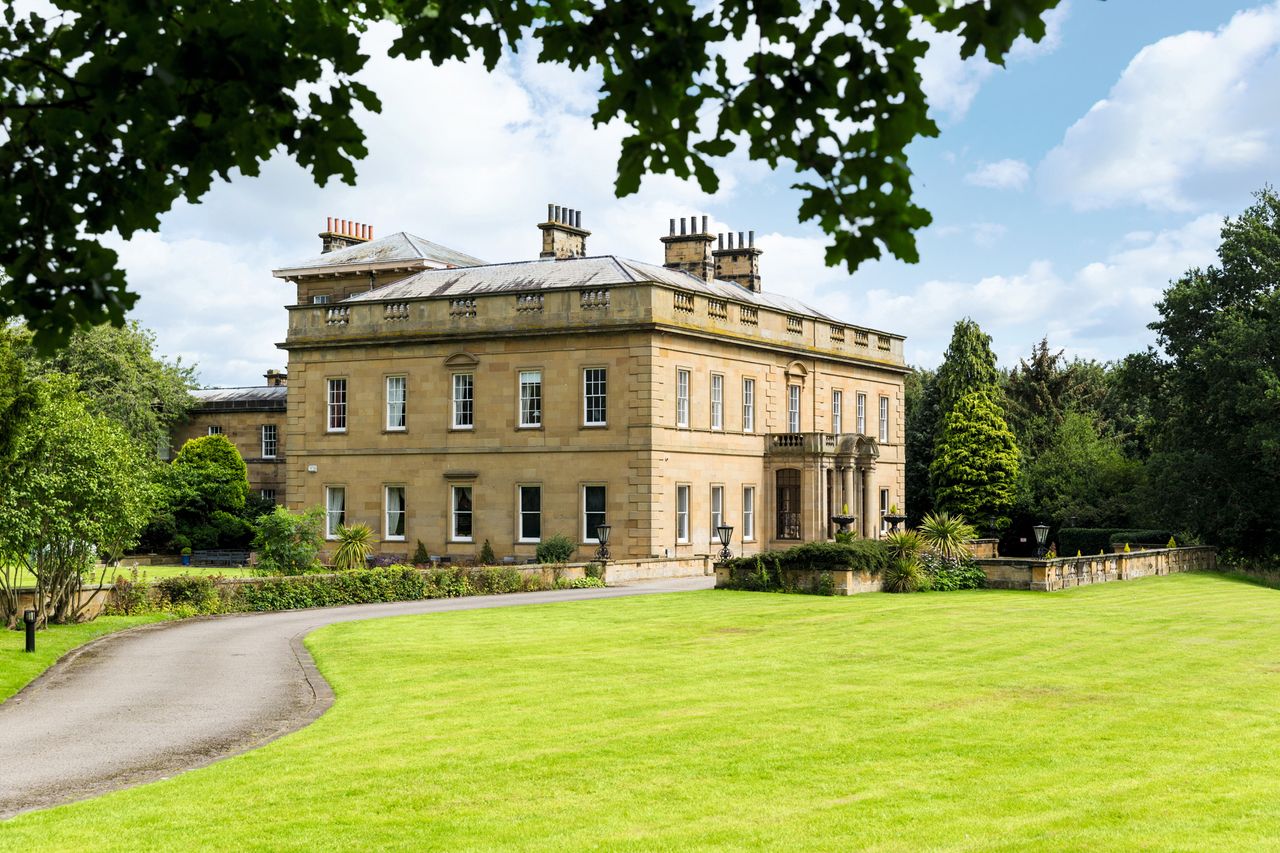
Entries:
{"x":73,"y":493}
{"x":1081,"y":472}
{"x":120,"y":375}
{"x":17,"y":399}
{"x":1215,"y":391}
{"x":288,"y":543}
{"x":207,"y":486}
{"x":111,"y":111}
{"x":968,"y":366}
{"x":975,"y":467}
{"x":922,"y":420}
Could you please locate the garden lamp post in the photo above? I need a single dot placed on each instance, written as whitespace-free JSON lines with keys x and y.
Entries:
{"x":725,"y":533}
{"x":602,"y":536}
{"x":1042,"y":537}
{"x":29,"y":622}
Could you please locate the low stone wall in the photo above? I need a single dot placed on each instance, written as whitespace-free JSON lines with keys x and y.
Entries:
{"x":1066,"y":572}
{"x":655,"y":568}
{"x":844,"y":581}
{"x":984,"y":549}
{"x":94,"y":598}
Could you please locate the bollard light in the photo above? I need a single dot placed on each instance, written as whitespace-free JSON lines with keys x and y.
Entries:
{"x":29,"y":621}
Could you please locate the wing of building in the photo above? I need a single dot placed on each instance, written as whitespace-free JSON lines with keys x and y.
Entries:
{"x":441,"y":399}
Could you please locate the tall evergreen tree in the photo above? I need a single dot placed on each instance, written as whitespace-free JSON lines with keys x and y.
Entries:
{"x":975,"y":467}
{"x":968,"y":365}
{"x":922,"y":419}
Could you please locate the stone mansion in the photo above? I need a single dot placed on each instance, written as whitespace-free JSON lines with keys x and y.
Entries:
{"x":437,"y":397}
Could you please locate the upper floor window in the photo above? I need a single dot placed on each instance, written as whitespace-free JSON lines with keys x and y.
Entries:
{"x":531,"y":398}
{"x":335,"y":510}
{"x":862,"y":413}
{"x":463,"y":401}
{"x":593,"y":512}
{"x":270,"y":441}
{"x":793,"y":408}
{"x":682,"y":398}
{"x":748,"y":405}
{"x":320,"y":299}
{"x":395,"y":513}
{"x":214,"y":430}
{"x":884,"y":418}
{"x":837,"y":411}
{"x":593,"y":396}
{"x":395,"y":402}
{"x":337,"y":403}
{"x":717,"y":401}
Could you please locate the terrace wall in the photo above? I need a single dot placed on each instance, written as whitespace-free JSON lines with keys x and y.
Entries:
{"x":1067,"y":572}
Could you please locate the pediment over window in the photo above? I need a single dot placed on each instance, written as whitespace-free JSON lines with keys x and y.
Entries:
{"x":797,"y":372}
{"x":461,"y":359}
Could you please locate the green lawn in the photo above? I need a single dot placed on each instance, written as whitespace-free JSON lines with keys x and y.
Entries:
{"x":1127,"y":715}
{"x":17,"y":668}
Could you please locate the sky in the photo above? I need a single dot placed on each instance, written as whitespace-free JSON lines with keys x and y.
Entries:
{"x":1067,"y":189}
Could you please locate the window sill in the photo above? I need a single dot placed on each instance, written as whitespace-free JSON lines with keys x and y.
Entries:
{"x":455,"y":428}
{"x":529,"y":427}
{"x":594,"y":426}
{"x":336,"y":431}
{"x":468,"y":541}
{"x":395,"y":429}
{"x":528,"y":541}
{"x":393,"y":539}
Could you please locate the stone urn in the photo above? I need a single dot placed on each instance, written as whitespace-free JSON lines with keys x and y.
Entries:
{"x":844,"y":521}
{"x":894,"y":521}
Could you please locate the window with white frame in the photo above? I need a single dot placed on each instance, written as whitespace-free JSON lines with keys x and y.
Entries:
{"x":682,"y":514}
{"x":214,"y":429}
{"x":463,"y":401}
{"x":837,"y":411}
{"x":267,"y":494}
{"x":748,"y":513}
{"x":862,"y":413}
{"x":163,"y":449}
{"x":717,"y":401}
{"x":530,"y":498}
{"x":717,"y":510}
{"x":335,"y":510}
{"x":460,"y":501}
{"x":395,"y":402}
{"x":270,"y":441}
{"x":593,"y":512}
{"x":530,"y":398}
{"x":320,"y":299}
{"x":748,"y":405}
{"x":395,"y":513}
{"x":593,"y":396}
{"x":793,"y":408}
{"x":337,"y":403}
{"x":884,"y":509}
{"x":682,"y":398}
{"x":884,"y":418}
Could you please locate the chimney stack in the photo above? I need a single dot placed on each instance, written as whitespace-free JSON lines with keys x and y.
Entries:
{"x":740,"y":264}
{"x":690,"y":250}
{"x":341,"y":233}
{"x":276,"y":378}
{"x":562,"y":234}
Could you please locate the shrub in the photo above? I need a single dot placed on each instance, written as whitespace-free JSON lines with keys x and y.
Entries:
{"x":487,"y":557}
{"x":353,"y":547}
{"x":904,"y":575}
{"x":1087,"y":540}
{"x":289,"y":543}
{"x":946,"y":534}
{"x":867,"y":555}
{"x":556,"y":548}
{"x":361,"y":586}
{"x":595,"y":570}
{"x":1140,"y":537}
{"x":946,"y":574}
{"x":382,"y":561}
{"x":420,"y":555}
{"x":129,"y":595}
{"x":494,"y":580}
{"x":904,"y":544}
{"x":586,"y":583}
{"x":188,"y":591}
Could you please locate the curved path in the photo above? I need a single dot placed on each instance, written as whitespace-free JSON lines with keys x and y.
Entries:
{"x":150,"y":702}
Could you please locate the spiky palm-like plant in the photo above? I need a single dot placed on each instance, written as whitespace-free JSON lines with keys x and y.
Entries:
{"x":904,"y":575}
{"x":904,"y":544}
{"x":946,"y":534}
{"x":353,"y":547}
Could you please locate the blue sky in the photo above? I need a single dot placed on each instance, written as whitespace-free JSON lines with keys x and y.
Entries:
{"x":1067,"y":188}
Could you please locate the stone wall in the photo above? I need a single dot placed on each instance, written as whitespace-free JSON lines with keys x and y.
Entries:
{"x":845,"y":581}
{"x":1066,"y":572}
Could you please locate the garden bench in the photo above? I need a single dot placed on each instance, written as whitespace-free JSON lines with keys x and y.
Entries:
{"x":224,"y":557}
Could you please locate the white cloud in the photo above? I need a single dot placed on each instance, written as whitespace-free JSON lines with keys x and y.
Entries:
{"x":1190,"y":122}
{"x":951,"y":83}
{"x":1000,"y":175}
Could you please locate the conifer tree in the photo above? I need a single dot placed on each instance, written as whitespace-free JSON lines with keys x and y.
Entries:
{"x":968,"y":365}
{"x":975,"y":467}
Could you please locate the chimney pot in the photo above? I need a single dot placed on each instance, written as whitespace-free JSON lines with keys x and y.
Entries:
{"x":672,"y":232}
{"x":568,"y":220}
{"x":721,"y":240}
{"x":551,"y":213}
{"x":370,"y":232}
{"x":741,"y":243}
{"x":556,"y":218}
{"x":682,"y":225}
{"x":704,"y":225}
{"x":751,"y":235}
{"x":577,"y":219}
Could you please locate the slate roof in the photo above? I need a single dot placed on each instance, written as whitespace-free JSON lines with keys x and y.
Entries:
{"x":552,"y":274}
{"x":255,"y":397}
{"x":398,"y":247}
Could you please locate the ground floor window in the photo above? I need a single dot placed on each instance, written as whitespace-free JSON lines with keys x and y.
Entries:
{"x":214,"y":430}
{"x":717,"y":511}
{"x":267,"y":494}
{"x":593,"y":512}
{"x":530,"y":513}
{"x":395,"y":512}
{"x":461,"y":503}
{"x":748,"y":513}
{"x":788,"y":503}
{"x":335,"y":516}
{"x":682,"y":514}
{"x":884,"y":508}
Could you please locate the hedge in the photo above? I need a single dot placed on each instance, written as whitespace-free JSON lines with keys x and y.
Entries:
{"x":1141,"y":537}
{"x":866,"y":555}
{"x":1086,"y":540}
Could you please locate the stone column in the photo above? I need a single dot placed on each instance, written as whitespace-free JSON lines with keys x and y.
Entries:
{"x":868,"y":507}
{"x":846,"y":489}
